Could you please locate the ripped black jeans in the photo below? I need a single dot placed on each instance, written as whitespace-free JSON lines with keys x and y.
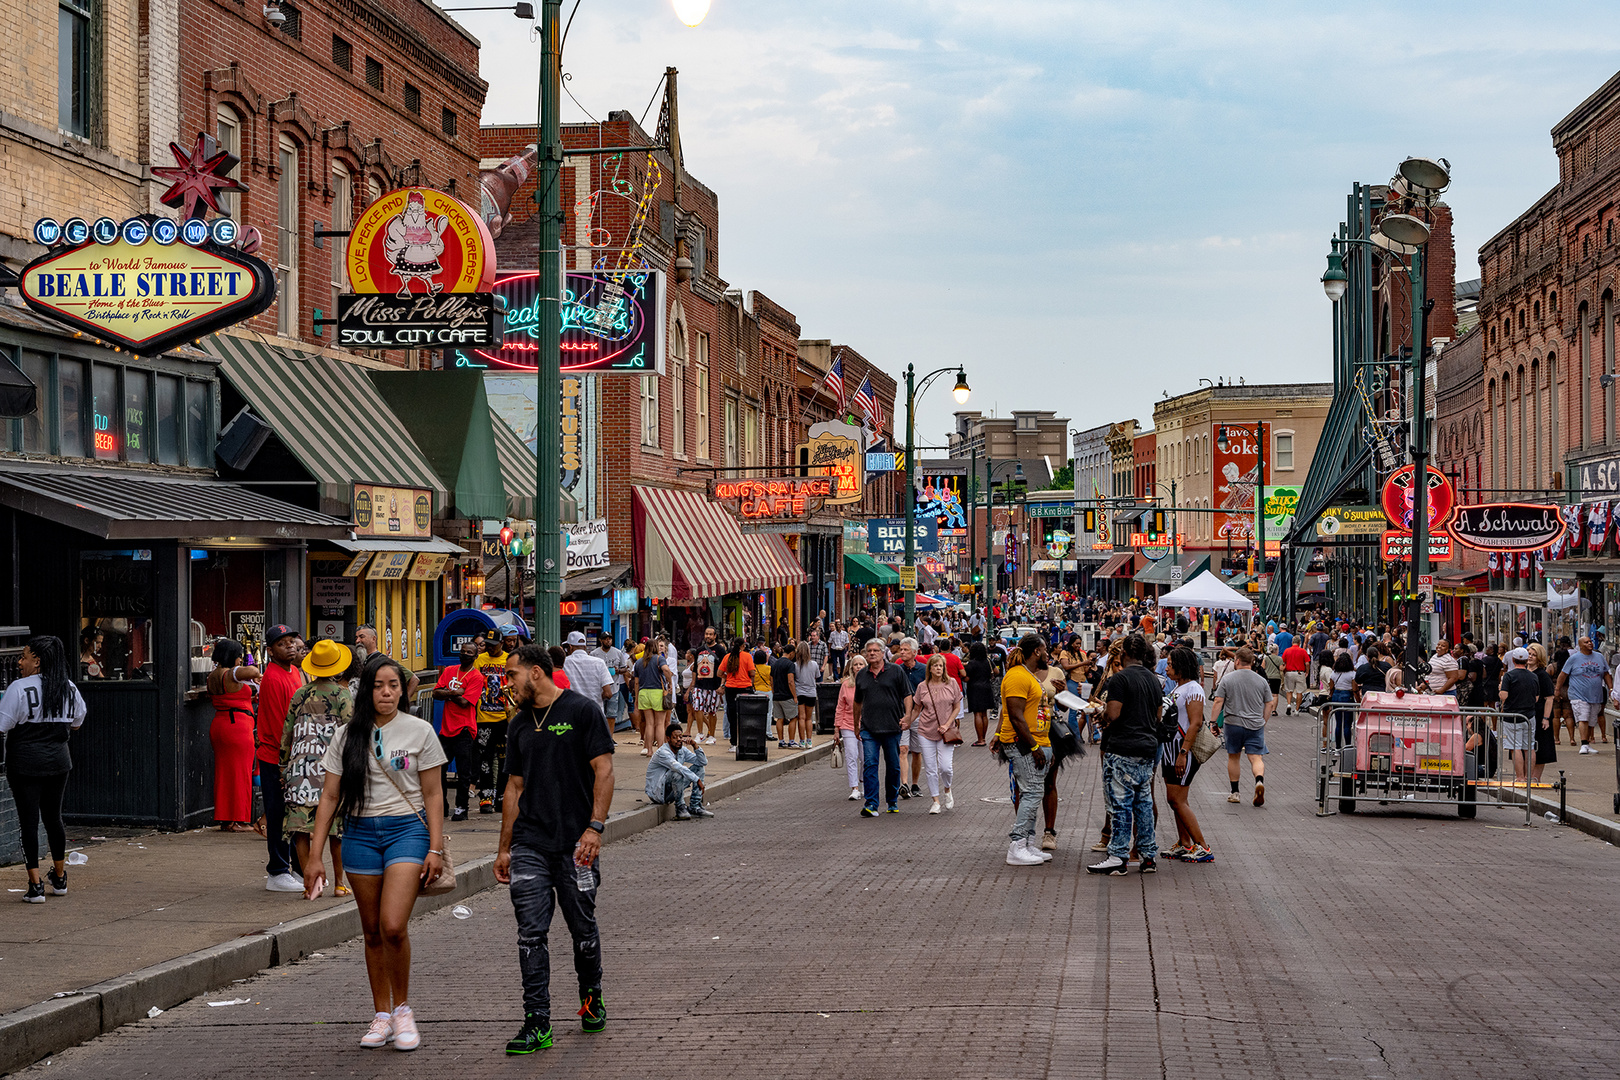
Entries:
{"x":542,"y":882}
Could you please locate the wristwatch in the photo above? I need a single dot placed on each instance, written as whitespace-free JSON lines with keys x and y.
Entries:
{"x":598,"y":825}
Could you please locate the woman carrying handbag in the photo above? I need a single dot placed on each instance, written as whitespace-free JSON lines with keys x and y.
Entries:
{"x":933,"y":712}
{"x":385,"y":776}
{"x":1183,"y":753}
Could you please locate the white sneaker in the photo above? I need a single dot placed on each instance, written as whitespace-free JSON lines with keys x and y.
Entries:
{"x":1113,"y":865}
{"x":709,"y":741}
{"x":1587,"y":749}
{"x":1034,"y":848}
{"x":950,"y":801}
{"x":854,"y":794}
{"x":1019,"y":855}
{"x":284,"y":883}
{"x":380,"y":1032}
{"x":406,"y":1037}
{"x":935,"y":808}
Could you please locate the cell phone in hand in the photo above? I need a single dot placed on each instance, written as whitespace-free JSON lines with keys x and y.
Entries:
{"x":320,"y":887}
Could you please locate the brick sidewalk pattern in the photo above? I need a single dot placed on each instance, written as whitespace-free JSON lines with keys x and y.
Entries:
{"x":791,"y":938}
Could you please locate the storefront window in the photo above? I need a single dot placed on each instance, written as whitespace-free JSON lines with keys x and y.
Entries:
{"x":104,"y":411}
{"x":197,"y":455}
{"x":137,"y":390}
{"x":115,"y":615}
{"x":166,"y":429}
{"x":75,"y":424}
{"x":36,"y":431}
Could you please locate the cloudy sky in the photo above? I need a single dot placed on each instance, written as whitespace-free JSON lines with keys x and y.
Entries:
{"x":1086,"y":204}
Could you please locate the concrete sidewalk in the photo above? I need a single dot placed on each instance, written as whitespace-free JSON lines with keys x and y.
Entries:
{"x":148,"y":898}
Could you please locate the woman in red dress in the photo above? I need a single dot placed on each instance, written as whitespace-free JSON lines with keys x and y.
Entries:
{"x":230,"y":685}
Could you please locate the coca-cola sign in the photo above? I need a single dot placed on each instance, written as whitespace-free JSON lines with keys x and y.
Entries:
{"x":1507,"y":526}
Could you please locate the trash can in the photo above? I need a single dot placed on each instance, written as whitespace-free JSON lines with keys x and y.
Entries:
{"x":752,"y":711}
{"x":827,"y":706}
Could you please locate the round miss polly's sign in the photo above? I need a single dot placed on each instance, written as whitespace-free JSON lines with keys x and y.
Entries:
{"x":1507,"y":526}
{"x":418,"y":241}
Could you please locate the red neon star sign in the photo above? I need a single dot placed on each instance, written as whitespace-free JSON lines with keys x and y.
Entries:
{"x":199,"y":177}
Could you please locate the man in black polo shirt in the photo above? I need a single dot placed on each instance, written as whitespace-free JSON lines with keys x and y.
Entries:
{"x":882,"y":700}
{"x":559,"y":785}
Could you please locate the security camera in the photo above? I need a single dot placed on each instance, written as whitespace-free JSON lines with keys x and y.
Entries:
{"x":274,"y":13}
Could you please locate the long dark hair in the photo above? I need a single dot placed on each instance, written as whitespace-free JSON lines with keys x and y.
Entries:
{"x":734,"y":657}
{"x":357,"y":743}
{"x":56,"y":689}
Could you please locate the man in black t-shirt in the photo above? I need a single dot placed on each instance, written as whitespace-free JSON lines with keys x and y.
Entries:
{"x":784,"y":705}
{"x":560,"y":784}
{"x":1130,"y":747}
{"x":704,"y":701}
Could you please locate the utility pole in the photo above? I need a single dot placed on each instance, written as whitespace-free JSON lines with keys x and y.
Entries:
{"x":910,"y":571}
{"x":548,"y":374}
{"x":1420,"y":468}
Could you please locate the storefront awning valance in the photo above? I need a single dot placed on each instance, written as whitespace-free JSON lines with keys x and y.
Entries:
{"x":435,"y":545}
{"x":329,"y":415}
{"x":117,"y":505}
{"x":1117,"y":567}
{"x":1158,"y":573}
{"x":518,"y":471}
{"x":447,"y":414}
{"x":688,"y":548}
{"x":861,"y":569}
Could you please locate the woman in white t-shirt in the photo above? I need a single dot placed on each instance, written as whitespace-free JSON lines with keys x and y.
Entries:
{"x":1176,"y":756}
{"x":385,"y":777}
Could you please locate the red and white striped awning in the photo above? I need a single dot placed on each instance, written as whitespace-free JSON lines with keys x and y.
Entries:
{"x":688,"y":548}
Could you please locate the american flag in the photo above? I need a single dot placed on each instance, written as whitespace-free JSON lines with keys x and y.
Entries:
{"x":866,"y":401}
{"x":835,"y":379}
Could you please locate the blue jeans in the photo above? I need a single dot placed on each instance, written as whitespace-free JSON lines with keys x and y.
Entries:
{"x":275,"y":814}
{"x":1031,"y":781}
{"x":675,"y":788}
{"x":542,"y":881}
{"x":1130,"y":790}
{"x":890,"y":745}
{"x":1344,"y":721}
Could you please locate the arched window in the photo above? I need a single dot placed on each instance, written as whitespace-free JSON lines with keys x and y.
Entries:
{"x":287,"y":237}
{"x":1585,"y":395}
{"x":228,"y":131}
{"x":1536,"y":443}
{"x":1496,"y":432}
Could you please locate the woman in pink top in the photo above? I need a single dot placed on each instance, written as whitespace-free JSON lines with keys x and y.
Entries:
{"x":933,"y":712}
{"x":844,"y":725}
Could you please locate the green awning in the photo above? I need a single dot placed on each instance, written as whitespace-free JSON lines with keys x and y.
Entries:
{"x":329,"y":415}
{"x":518,"y":470}
{"x":862,"y":569}
{"x":447,"y":413}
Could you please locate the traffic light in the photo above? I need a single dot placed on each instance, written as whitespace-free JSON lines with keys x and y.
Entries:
{"x":978,"y":576}
{"x":1091,"y":521}
{"x":1158,"y":521}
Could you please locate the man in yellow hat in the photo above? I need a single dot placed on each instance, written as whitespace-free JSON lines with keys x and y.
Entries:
{"x":314,"y":715}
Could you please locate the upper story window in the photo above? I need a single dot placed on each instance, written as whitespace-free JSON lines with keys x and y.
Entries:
{"x":1284,"y":450}
{"x":447,"y":122}
{"x":228,"y":132}
{"x":342,"y":53}
{"x":76,"y":82}
{"x":287,"y":240}
{"x":342,"y":218}
{"x":413,"y":99}
{"x":374,"y":78}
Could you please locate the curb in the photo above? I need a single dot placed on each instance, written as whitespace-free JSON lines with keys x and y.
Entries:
{"x":30,"y":1034}
{"x":1591,"y":824}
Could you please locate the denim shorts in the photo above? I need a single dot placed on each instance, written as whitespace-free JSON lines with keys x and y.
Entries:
{"x":373,"y":844}
{"x":1239,"y":740}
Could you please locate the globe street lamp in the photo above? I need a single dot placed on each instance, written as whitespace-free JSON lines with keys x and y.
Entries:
{"x":908,"y":579}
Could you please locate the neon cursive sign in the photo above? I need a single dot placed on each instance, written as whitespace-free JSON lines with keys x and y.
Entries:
{"x":611,"y":323}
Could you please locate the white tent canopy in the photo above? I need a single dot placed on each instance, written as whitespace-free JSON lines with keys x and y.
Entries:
{"x":1206,"y":591}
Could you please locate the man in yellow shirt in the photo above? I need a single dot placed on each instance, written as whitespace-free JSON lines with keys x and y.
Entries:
{"x":1025,"y":741}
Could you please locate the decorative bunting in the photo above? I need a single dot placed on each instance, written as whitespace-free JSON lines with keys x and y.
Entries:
{"x":1597,"y":517}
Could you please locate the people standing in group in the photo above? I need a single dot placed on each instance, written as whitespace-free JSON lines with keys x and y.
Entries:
{"x":280,"y":679}
{"x":882,"y":706}
{"x":560,"y":790}
{"x":230,"y":685}
{"x":39,"y":710}
{"x":844,"y":725}
{"x":935,"y":708}
{"x":737,"y":671}
{"x":1177,"y":760}
{"x":1586,"y":681}
{"x":460,"y":688}
{"x":384,"y":778}
{"x":1024,"y":742}
{"x":492,"y":720}
{"x":653,"y":680}
{"x":1243,"y":698}
{"x":589,"y":677}
{"x":806,"y":674}
{"x":1130,"y":749}
{"x":314,"y":715}
{"x":614,"y":705}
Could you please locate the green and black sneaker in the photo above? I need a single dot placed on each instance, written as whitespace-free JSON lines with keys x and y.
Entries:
{"x":592,"y":1011}
{"x":535,"y":1035}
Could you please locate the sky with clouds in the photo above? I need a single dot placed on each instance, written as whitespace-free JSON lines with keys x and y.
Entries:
{"x":1086,"y":204}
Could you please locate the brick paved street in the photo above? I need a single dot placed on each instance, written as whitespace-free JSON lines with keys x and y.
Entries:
{"x":792,"y":938}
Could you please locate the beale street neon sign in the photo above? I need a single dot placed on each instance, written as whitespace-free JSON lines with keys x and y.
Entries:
{"x":774,"y":499}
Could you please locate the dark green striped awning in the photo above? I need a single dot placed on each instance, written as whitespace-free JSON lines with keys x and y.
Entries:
{"x":518,"y":468}
{"x":328,"y":414}
{"x":447,"y":413}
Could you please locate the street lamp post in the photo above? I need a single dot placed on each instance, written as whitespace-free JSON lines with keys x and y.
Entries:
{"x":1420,"y":183}
{"x":990,"y":468}
{"x":908,"y":583}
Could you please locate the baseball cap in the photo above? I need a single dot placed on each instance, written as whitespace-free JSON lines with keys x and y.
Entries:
{"x":277,"y":632}
{"x":1520,"y":656}
{"x":576,"y":638}
{"x":509,"y":630}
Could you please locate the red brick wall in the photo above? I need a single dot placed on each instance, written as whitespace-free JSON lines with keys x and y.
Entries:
{"x":411,"y":41}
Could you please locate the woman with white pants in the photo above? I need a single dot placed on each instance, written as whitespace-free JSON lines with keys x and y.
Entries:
{"x":934,"y":706}
{"x":844,"y":724}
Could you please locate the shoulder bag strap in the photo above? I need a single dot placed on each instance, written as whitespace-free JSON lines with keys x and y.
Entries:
{"x":421,"y":812}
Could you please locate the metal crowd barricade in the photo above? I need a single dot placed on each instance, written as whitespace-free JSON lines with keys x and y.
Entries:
{"x":1413,"y":751}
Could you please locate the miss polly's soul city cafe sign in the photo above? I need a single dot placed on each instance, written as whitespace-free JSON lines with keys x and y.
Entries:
{"x":150,"y":283}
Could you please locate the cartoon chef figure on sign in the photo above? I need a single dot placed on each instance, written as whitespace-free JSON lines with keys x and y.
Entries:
{"x":413,"y":245}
